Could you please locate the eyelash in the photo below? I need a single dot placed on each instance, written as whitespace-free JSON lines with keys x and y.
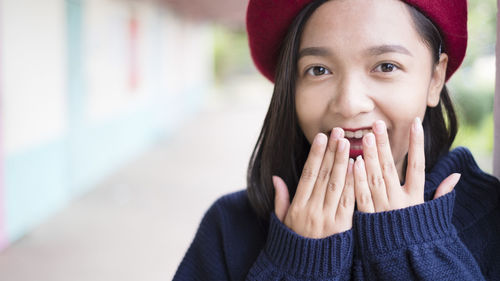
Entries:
{"x":310,"y":70}
{"x":395,"y":67}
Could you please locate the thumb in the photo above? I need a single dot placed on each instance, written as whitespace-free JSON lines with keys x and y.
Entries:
{"x":281,"y":198}
{"x":447,"y":185}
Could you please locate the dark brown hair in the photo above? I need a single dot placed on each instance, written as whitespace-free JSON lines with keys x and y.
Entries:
{"x":282,"y":148}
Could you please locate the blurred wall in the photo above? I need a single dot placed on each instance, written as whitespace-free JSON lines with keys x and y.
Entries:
{"x":84,"y":87}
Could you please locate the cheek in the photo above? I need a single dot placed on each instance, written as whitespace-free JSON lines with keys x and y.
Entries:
{"x":405,"y":101}
{"x":309,"y":113}
{"x":401,"y":107}
{"x":400,"y":139}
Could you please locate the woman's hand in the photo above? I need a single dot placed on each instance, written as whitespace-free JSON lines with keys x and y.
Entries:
{"x":377,"y":185}
{"x":323,"y":204}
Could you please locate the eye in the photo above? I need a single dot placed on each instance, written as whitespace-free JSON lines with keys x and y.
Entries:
{"x":386,"y":67}
{"x":317,"y":71}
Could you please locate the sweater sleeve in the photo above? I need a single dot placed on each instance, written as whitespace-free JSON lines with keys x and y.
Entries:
{"x":414,"y":243}
{"x":289,"y":256}
{"x":284,"y":256}
{"x":204,"y":260}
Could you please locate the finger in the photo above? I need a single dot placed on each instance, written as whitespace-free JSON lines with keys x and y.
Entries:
{"x":281,"y":198}
{"x":338,"y":176}
{"x":389,"y":172}
{"x":361,"y":189}
{"x":346,"y":205}
{"x":374,"y":174}
{"x":311,"y":169}
{"x":415,"y":171}
{"x":318,"y":194}
{"x":447,"y":185}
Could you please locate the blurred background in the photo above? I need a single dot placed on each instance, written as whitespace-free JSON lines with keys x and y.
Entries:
{"x":122,"y":121}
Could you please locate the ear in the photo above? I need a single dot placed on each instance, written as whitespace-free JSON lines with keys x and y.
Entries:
{"x":437,"y":81}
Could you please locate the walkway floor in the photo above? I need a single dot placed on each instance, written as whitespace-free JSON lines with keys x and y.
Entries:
{"x":138,"y":223}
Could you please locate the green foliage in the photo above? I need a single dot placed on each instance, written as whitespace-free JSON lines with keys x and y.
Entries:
{"x":473,"y":101}
{"x":478,"y":139}
{"x":482,"y":29}
{"x":473,"y":85}
{"x":231,"y":52}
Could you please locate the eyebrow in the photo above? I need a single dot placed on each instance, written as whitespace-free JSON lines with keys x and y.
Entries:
{"x":373,"y":51}
{"x":314,"y":51}
{"x":382,"y":49}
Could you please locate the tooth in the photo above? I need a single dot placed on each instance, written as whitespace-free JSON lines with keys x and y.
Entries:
{"x":349,"y":134}
{"x":358,"y":134}
{"x":366,"y":132}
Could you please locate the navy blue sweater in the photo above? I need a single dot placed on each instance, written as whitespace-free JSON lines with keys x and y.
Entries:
{"x":455,"y":237}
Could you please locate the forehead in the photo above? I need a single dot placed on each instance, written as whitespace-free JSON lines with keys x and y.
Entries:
{"x":358,"y":23}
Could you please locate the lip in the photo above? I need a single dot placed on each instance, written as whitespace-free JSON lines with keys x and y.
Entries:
{"x":353,"y":153}
{"x":350,"y":130}
{"x":357,"y":129}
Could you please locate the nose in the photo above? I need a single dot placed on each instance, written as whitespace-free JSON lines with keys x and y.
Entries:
{"x":351,"y":97}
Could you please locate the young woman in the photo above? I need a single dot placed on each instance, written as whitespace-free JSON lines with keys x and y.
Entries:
{"x":352,"y":177}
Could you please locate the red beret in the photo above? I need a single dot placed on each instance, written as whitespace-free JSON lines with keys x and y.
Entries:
{"x":268,"y":21}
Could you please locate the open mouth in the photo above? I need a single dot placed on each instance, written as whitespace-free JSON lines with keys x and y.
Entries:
{"x":355,"y":138}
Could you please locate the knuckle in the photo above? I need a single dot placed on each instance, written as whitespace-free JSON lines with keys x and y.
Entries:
{"x":364,"y":199}
{"x":372,"y":155}
{"x":349,"y":183}
{"x":387,"y":167}
{"x":324,"y":175}
{"x":347,"y":201}
{"x":361,"y":180}
{"x":309,"y":174}
{"x":376,"y":182}
{"x":333,"y":186}
{"x":313,"y":226}
{"x":418,"y":166}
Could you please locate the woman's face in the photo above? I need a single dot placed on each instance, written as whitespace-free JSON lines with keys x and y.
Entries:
{"x":361,"y":61}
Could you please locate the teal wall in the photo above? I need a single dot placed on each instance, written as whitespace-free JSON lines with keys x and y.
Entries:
{"x":45,"y":178}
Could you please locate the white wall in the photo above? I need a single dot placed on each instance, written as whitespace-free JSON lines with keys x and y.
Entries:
{"x":33,"y":69}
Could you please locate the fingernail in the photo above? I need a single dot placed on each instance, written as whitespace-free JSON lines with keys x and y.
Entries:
{"x":275,"y":180}
{"x":341,"y":145}
{"x":359,"y":162}
{"x":417,"y":125}
{"x":351,"y":164}
{"x":320,"y":139}
{"x":457,"y":178}
{"x":337,"y":132}
{"x":369,"y":139}
{"x":379,"y":127}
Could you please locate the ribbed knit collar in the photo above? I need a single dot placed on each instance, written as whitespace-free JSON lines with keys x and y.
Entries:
{"x":477,"y":193}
